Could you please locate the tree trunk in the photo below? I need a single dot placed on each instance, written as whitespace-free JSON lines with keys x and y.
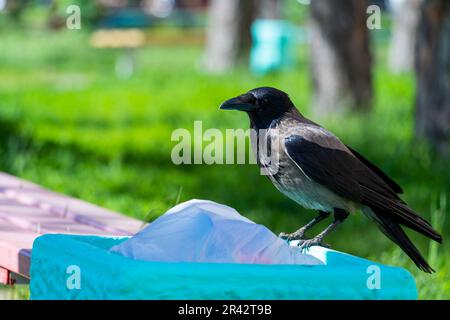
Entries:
{"x":433,"y":74}
{"x":228,"y":35}
{"x":340,"y":56}
{"x":401,"y":51}
{"x":15,"y":8}
{"x":269,"y":9}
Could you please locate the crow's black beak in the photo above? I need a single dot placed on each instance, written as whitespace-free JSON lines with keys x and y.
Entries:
{"x":245,"y":102}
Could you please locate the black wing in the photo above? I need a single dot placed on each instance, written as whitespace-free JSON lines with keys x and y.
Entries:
{"x":347,"y":176}
{"x":391,"y":183}
{"x":335,"y":169}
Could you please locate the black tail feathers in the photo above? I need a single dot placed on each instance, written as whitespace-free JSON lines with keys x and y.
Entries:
{"x":393,"y":231}
{"x":398,"y":211}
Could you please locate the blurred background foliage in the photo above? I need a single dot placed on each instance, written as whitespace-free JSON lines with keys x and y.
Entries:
{"x":69,"y":123}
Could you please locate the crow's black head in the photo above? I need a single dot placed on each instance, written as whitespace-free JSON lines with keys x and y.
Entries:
{"x":261,"y":104}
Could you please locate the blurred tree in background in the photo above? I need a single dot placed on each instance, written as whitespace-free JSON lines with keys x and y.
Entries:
{"x":16,"y":9}
{"x":433,"y":74}
{"x":228,"y":34}
{"x":270,"y":9}
{"x":341,"y":61}
{"x":401,"y":50}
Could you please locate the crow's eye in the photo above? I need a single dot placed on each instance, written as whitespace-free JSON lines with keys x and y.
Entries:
{"x":263,"y":101}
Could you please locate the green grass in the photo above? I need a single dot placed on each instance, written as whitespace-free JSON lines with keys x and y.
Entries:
{"x":68,"y":123}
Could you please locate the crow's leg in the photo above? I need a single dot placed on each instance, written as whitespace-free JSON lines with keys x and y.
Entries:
{"x":298,"y":235}
{"x":339,"y":216}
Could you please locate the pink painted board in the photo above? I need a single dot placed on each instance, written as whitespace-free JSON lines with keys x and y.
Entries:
{"x":28,"y":210}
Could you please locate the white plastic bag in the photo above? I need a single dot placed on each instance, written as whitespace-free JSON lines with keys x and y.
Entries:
{"x":205,"y":231}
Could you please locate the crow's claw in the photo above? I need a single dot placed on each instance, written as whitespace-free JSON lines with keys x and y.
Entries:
{"x":292,"y":236}
{"x":308,"y":243}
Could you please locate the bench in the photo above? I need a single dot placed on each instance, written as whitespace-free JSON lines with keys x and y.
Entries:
{"x":28,"y":211}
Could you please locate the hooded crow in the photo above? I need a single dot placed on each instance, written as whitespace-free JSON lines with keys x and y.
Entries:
{"x":316,"y":170}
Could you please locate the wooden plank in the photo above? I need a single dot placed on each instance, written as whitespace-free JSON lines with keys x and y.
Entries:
{"x":28,"y":210}
{"x":32,"y":195}
{"x":15,"y":248}
{"x":41,"y":221}
{"x":5,"y":276}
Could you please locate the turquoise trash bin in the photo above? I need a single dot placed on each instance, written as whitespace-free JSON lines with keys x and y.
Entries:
{"x":82,"y":267}
{"x":273,"y":45}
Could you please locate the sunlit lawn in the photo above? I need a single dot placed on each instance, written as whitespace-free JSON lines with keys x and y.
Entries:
{"x":68,"y":123}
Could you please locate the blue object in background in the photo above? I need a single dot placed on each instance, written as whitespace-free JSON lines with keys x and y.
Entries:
{"x":57,"y":261}
{"x":126,"y":19}
{"x":273,"y":45}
